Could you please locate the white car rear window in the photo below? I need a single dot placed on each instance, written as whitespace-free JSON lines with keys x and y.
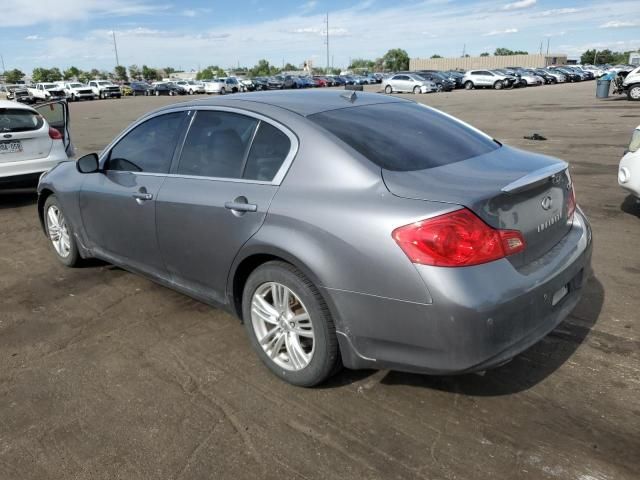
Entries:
{"x":19,"y":120}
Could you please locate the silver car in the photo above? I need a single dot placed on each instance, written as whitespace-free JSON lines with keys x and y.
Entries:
{"x":408,"y":83}
{"x":340,"y":227}
{"x":485,"y":78}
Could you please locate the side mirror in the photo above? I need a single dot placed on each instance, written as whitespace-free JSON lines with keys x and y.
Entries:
{"x":88,"y":164}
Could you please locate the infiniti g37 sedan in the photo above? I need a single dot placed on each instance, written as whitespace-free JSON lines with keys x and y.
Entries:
{"x":343,"y":229}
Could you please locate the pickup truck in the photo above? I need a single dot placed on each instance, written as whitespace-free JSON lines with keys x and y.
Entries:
{"x":105,"y":89}
{"x":46,"y":92}
{"x":77,"y":91}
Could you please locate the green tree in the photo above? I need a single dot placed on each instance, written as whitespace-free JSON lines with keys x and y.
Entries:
{"x":361,"y":64}
{"x":40,"y":74}
{"x":70,"y":73}
{"x":85,"y":77}
{"x":134,"y":72}
{"x":149,"y":73}
{"x":169,"y":70}
{"x":212,"y":71}
{"x":261,"y":69}
{"x":396,"y":59}
{"x":13,"y":76}
{"x":505,"y":51}
{"x":94,"y":73}
{"x":289,"y":67}
{"x":435,"y":55}
{"x":120,"y":73}
{"x":485,"y":54}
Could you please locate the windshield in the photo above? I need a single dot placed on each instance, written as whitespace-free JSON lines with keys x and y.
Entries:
{"x":75,"y":85}
{"x":49,"y":86}
{"x":104,"y":83}
{"x":634,"y":146}
{"x":404,"y":136}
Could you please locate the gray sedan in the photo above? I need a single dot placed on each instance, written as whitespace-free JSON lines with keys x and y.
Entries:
{"x":408,"y":83}
{"x":342,"y":229}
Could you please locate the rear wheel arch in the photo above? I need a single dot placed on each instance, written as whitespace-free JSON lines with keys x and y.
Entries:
{"x":245,"y":265}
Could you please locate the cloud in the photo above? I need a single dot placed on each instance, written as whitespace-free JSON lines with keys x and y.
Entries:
{"x":557,"y":11}
{"x":616,"y":24}
{"x":520,"y":5}
{"x":501,"y":32}
{"x":308,"y":6}
{"x":33,"y":37}
{"x":189,"y":13}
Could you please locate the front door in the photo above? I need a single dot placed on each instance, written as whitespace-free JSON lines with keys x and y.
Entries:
{"x":118,"y":204}
{"x":218,"y":196}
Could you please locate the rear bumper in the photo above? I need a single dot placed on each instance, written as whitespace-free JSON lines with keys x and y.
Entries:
{"x":10,"y":171}
{"x":480,"y":316}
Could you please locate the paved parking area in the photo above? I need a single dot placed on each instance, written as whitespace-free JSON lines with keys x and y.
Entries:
{"x":106,"y":375}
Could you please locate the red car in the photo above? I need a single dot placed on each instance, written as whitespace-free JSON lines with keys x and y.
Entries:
{"x":320,"y":82}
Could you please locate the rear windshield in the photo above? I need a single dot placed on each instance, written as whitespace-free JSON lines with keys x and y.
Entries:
{"x":404,"y":136}
{"x":18,"y":120}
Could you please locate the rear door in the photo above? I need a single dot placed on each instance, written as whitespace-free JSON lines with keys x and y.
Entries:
{"x":218,"y":195}
{"x":57,"y":116}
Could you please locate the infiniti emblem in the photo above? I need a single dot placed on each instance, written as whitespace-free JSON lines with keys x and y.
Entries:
{"x":7,"y":135}
{"x":547,"y":203}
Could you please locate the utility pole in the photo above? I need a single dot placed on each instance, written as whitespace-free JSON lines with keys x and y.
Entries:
{"x":595,"y":57}
{"x":541,"y":47}
{"x":548,"y":42}
{"x":327,"y":42}
{"x":464,"y":50}
{"x":115,"y":46}
{"x":2,"y":59}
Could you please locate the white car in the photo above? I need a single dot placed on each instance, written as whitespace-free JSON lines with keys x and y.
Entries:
{"x":222,"y":86}
{"x":629,"y":170}
{"x":190,"y":86}
{"x":32,"y":141}
{"x":631,"y":84}
{"x":46,"y":91}
{"x":77,"y":91}
{"x":408,"y":82}
{"x":105,"y":89}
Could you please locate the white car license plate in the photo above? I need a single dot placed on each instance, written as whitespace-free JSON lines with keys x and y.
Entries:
{"x":559,"y":295}
{"x":11,"y":147}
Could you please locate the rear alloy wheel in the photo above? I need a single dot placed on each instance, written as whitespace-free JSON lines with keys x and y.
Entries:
{"x":289,"y":324}
{"x":59,"y":233}
{"x":498,"y":85}
{"x":157,"y":93}
{"x":468,"y":85}
{"x":634,"y":93}
{"x":388,"y":90}
{"x":439,"y":87}
{"x":416,"y":90}
{"x":222,"y":91}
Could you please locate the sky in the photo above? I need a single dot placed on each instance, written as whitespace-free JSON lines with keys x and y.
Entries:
{"x":190,"y":34}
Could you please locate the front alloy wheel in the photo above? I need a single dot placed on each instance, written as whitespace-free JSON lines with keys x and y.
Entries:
{"x":59,"y":233}
{"x":634,"y":93}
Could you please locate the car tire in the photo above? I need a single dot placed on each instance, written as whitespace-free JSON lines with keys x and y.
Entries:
{"x":498,"y":85}
{"x":468,"y":85}
{"x":439,"y":87}
{"x":157,"y":93}
{"x":59,"y":233}
{"x":222,"y":91}
{"x":388,"y":90}
{"x":633,"y":93}
{"x":416,"y":90}
{"x":319,"y":345}
{"x":133,"y":93}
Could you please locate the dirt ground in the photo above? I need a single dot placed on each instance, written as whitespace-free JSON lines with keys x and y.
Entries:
{"x":105,"y":375}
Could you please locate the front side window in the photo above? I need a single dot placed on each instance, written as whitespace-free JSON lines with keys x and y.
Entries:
{"x":217,"y":144}
{"x":269,"y":149}
{"x":634,"y":146}
{"x":149,"y":147}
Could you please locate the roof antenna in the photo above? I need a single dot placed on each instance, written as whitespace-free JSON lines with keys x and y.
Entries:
{"x":351,"y":96}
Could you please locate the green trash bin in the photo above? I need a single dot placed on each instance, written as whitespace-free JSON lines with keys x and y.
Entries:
{"x":602,"y":88}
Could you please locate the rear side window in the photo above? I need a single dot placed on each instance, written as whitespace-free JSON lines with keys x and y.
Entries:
{"x":404,"y":136}
{"x":268,"y":151}
{"x":18,"y":120}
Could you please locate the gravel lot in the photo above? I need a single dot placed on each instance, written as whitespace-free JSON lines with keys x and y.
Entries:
{"x":106,"y":375}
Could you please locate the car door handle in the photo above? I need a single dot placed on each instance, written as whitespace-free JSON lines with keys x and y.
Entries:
{"x":241,"y":207}
{"x":143,"y":196}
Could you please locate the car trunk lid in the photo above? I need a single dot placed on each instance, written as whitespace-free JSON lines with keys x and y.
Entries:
{"x":507,"y":188}
{"x":23,"y":135}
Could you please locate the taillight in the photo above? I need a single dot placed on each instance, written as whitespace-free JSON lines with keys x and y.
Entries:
{"x":54,"y":134}
{"x":456,"y":239}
